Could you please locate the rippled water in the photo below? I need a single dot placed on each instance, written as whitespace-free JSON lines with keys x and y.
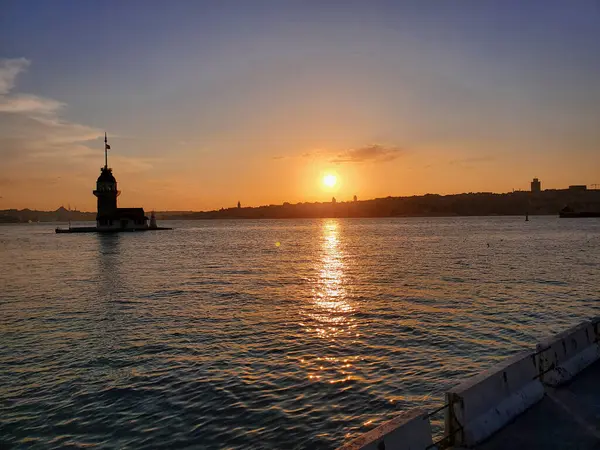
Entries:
{"x":270,"y":334}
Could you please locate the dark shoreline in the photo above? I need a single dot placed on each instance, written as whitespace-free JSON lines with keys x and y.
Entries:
{"x":519,"y":203}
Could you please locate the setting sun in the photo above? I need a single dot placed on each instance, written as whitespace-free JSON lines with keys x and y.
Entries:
{"x":329,"y":180}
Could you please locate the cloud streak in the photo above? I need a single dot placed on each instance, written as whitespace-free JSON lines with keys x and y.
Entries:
{"x":38,"y":146}
{"x":9,"y":70}
{"x":371,"y":153}
{"x":29,"y":104}
{"x":32,"y":124}
{"x":22,"y":103}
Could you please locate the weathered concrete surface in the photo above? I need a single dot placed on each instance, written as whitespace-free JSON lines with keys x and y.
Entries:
{"x":567,"y":417}
{"x":569,"y":352}
{"x":407,"y":431}
{"x":486,"y":402}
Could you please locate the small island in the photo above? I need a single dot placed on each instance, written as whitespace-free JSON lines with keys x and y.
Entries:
{"x":110,"y":218}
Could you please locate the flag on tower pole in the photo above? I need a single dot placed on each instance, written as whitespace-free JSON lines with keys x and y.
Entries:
{"x":106,"y":147}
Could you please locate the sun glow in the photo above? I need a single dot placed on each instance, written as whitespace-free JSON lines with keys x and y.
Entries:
{"x":330,"y":180}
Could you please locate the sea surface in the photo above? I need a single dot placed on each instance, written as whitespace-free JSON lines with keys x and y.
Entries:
{"x":271,"y":334}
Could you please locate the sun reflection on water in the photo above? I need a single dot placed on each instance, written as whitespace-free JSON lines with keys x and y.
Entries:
{"x":330,"y":313}
{"x":331,"y":307}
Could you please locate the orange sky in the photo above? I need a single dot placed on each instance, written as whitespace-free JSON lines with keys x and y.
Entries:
{"x":203,"y":110}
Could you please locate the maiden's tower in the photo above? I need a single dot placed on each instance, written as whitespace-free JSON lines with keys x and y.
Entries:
{"x":111,"y":218}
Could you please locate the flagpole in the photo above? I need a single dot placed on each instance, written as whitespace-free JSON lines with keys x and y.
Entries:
{"x":105,"y":152}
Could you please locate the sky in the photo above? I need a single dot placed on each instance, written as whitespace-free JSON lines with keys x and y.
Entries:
{"x":207,"y":103}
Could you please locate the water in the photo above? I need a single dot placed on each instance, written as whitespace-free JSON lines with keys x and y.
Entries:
{"x":271,"y":334}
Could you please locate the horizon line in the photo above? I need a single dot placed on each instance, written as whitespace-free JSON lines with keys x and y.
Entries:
{"x":516,"y":191}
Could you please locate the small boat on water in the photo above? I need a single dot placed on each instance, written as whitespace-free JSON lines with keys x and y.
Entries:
{"x":569,"y":213}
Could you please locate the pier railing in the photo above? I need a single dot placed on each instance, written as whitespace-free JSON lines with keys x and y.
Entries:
{"x":485,"y":403}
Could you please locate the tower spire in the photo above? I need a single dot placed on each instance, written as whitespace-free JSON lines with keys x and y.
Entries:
{"x":106,"y":148}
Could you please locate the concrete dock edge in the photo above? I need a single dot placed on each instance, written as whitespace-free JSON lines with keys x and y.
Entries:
{"x":409,"y":430}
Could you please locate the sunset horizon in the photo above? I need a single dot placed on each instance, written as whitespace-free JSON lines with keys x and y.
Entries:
{"x":300,"y":224}
{"x":326,"y":198}
{"x":258,"y":104}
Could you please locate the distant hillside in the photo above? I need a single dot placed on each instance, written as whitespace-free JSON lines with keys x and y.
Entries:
{"x":60,"y":215}
{"x":471,"y":204}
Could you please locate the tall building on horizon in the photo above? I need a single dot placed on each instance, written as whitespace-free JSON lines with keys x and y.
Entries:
{"x":536,"y":185}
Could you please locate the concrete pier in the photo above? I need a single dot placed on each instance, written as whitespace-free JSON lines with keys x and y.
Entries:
{"x":547,"y":398}
{"x":567,"y":417}
{"x":410,"y":430}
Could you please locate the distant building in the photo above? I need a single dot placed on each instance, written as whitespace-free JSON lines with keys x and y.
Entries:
{"x":333,"y":200}
{"x":355,"y":198}
{"x":109,"y":216}
{"x":239,"y":204}
{"x":578,"y":187}
{"x":536,"y":185}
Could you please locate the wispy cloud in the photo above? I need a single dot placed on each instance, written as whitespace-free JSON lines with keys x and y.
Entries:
{"x":29,"y":104}
{"x":371,"y":153}
{"x":21,"y":103}
{"x":9,"y":70}
{"x":65,"y":132}
{"x":33,"y":124}
{"x":37,"y":143}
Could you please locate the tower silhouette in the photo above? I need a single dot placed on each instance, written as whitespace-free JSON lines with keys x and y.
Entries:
{"x":106,"y":187}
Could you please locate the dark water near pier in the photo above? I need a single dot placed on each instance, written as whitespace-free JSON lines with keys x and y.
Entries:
{"x":270,"y":334}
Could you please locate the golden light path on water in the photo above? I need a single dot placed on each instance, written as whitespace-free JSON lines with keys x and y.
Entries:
{"x":212,"y":336}
{"x":330,"y":311}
